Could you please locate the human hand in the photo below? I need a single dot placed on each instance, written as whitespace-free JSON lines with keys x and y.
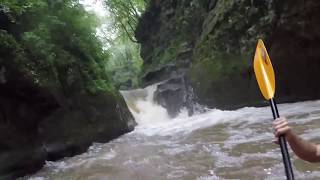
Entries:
{"x":281,"y":127}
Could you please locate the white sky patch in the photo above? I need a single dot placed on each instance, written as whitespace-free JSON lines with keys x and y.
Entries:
{"x":105,"y":30}
{"x":96,"y":6}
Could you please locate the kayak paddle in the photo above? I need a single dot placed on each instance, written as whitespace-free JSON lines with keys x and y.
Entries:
{"x":265,"y":76}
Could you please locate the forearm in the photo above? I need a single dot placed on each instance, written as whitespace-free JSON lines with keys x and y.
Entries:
{"x":304,"y":149}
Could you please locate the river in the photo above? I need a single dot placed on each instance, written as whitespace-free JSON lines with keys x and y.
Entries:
{"x":206,"y":146}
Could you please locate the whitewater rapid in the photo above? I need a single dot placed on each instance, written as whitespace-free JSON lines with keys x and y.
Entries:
{"x":215,"y":144}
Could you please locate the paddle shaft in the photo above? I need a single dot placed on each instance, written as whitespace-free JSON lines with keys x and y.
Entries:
{"x":283,"y":144}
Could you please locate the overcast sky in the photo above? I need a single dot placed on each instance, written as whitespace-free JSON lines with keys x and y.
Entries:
{"x":95,"y":5}
{"x":103,"y":31}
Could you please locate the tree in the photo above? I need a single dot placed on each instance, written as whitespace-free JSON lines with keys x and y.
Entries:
{"x":55,"y":44}
{"x":126,"y":14}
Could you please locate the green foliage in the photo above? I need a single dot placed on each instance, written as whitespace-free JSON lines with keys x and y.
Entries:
{"x":7,"y":42}
{"x":55,"y":44}
{"x":126,"y":14}
{"x":19,"y":7}
{"x":125,"y":62}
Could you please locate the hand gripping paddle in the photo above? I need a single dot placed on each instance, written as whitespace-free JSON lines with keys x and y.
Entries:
{"x":265,"y":77}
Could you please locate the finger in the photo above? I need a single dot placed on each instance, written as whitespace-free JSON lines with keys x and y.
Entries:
{"x":276,"y":121}
{"x":275,"y":140}
{"x":280,"y":118}
{"x":279,"y":122}
{"x":282,"y":131}
{"x":283,"y":118}
{"x":281,"y":125}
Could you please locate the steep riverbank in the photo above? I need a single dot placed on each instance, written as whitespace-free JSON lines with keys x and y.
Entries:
{"x":55,"y":95}
{"x":212,"y":42}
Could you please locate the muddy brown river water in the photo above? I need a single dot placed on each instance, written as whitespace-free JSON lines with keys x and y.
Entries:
{"x":208,"y":146}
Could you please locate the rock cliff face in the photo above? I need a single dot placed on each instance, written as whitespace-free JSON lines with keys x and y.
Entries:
{"x":212,"y":43}
{"x":35,"y":126}
{"x":41,"y":122}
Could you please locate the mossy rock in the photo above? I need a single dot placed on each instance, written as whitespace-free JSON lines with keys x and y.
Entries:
{"x":225,"y":82}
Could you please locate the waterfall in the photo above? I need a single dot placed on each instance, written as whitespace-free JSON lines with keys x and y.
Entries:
{"x":142,"y":106}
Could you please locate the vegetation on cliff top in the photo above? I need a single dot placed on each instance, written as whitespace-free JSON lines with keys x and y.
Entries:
{"x":55,"y":44}
{"x":124,"y":65}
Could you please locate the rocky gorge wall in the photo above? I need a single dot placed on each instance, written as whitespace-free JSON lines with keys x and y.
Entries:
{"x":211,"y":43}
{"x":35,"y":126}
{"x":54,"y":99}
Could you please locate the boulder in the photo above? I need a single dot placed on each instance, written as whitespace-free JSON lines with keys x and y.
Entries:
{"x":97,"y":118}
{"x":172,"y":95}
{"x":39,"y":124}
{"x":23,"y":106}
{"x":175,"y":94}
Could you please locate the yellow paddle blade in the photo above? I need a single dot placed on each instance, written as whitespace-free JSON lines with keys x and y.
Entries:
{"x":264,"y":72}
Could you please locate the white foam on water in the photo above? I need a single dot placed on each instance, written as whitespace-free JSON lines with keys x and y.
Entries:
{"x":185,"y":125}
{"x":146,"y":112}
{"x":162,"y":145}
{"x":37,"y":178}
{"x":153,"y":119}
{"x":109,"y":155}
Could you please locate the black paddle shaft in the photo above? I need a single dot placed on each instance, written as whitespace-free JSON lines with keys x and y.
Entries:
{"x":283,"y":144}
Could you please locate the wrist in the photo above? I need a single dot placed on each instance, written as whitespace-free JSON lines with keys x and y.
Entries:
{"x":289,"y":135}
